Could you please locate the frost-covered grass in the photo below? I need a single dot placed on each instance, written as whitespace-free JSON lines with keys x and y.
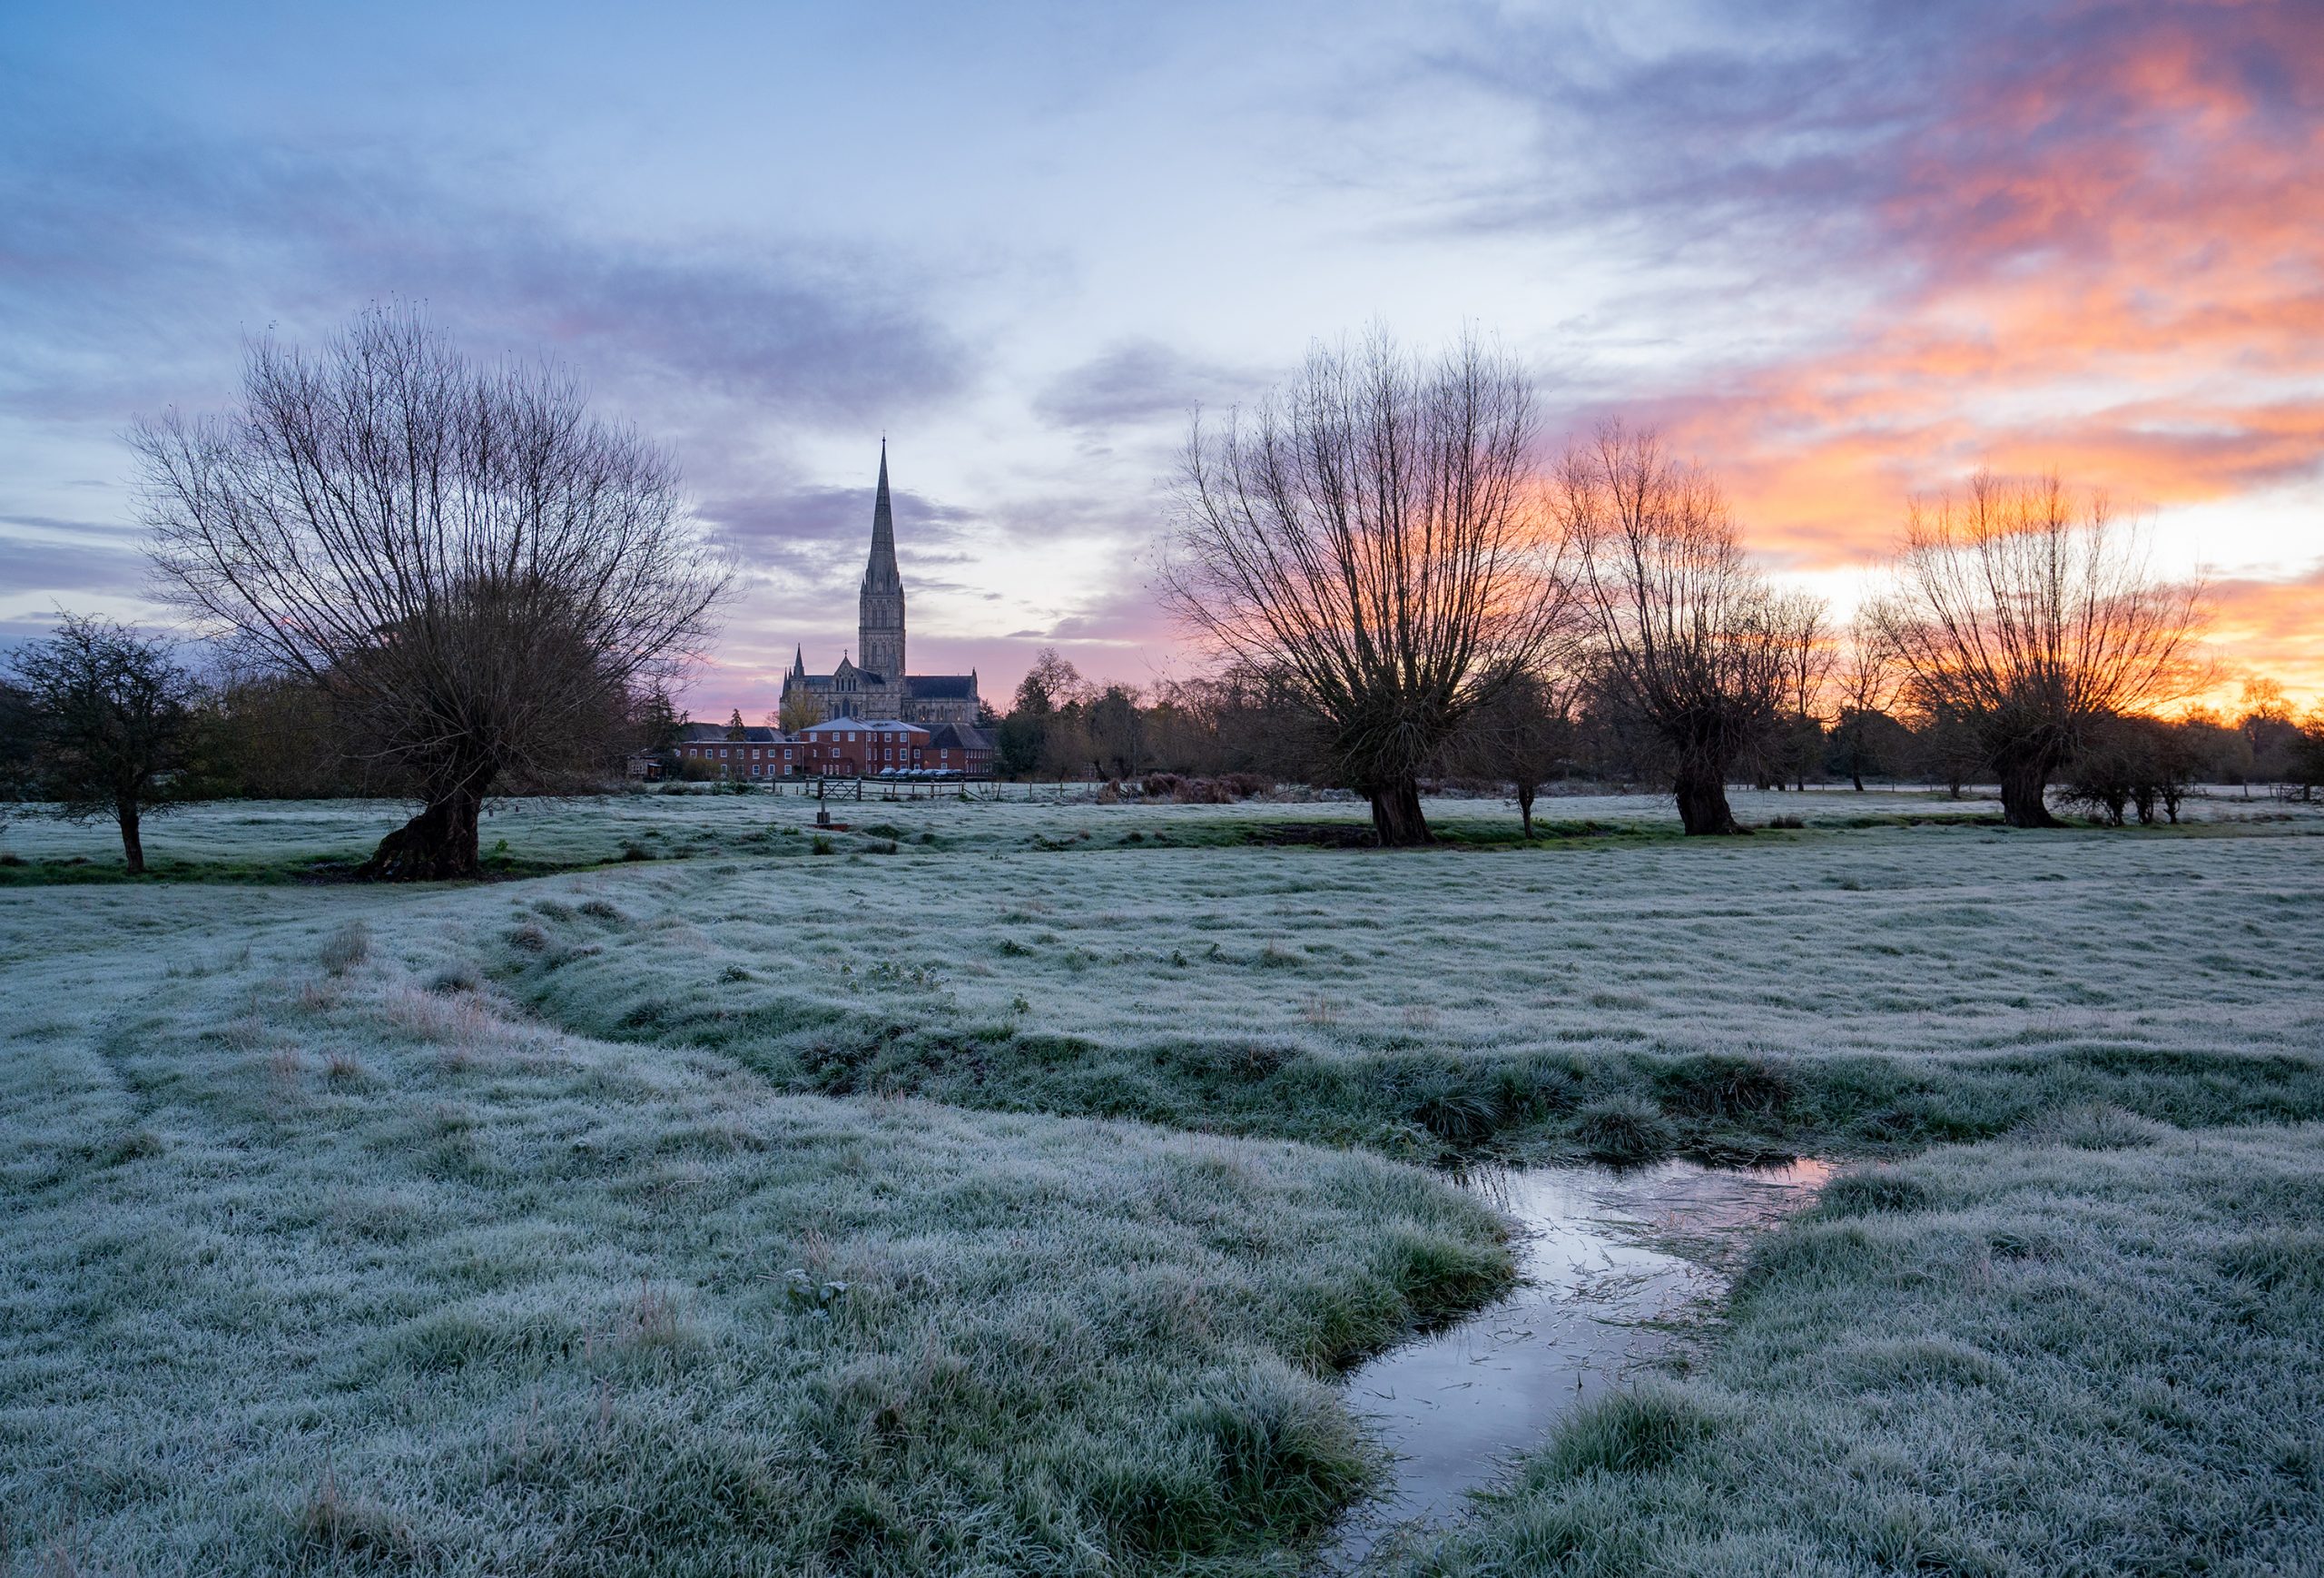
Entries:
{"x":1880,"y":986}
{"x":319,"y":1259}
{"x":260,"y":840}
{"x":2099,"y":1351}
{"x":748,"y":1208}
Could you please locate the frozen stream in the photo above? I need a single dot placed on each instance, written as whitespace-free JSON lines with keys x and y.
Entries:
{"x":1456,"y":1405}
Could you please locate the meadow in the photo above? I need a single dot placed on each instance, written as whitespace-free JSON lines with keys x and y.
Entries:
{"x":1002,"y":1188}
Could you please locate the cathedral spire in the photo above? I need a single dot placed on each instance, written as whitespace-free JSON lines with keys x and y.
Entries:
{"x":884,"y":532}
{"x":880,"y":608}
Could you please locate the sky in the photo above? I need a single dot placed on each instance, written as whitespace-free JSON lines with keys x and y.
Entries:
{"x":1838,"y":253}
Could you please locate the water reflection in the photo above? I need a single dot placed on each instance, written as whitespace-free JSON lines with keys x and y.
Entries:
{"x":1593,"y":1304}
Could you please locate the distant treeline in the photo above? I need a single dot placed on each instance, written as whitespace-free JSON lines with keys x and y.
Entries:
{"x":1062,"y":725}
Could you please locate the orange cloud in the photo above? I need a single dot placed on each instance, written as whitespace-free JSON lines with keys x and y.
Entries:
{"x":2274,"y":629}
{"x":2111,"y":267}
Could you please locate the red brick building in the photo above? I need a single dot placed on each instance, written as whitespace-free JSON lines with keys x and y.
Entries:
{"x":863,"y":747}
{"x":840,"y":748}
{"x":758,"y":753}
{"x":960,"y":748}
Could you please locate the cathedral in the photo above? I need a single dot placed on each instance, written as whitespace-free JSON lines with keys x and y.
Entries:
{"x":873,"y":686}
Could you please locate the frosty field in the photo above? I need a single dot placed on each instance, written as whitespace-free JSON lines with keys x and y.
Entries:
{"x":1002,"y":1188}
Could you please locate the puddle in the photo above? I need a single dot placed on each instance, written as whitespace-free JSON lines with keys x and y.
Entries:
{"x":1456,"y":1406}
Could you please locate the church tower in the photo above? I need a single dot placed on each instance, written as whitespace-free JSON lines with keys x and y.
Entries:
{"x":880,"y":618}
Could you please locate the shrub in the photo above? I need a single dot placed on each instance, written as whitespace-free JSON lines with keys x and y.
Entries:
{"x":1283,"y":1449}
{"x":1222,"y":790}
{"x":1633,"y":1432}
{"x":1871,"y":1192}
{"x":347,"y":948}
{"x":2095,"y":1125}
{"x":2285,"y":1261}
{"x":1726,"y":1085}
{"x":1622,"y":1130}
{"x":1459,"y":1115}
{"x":354,"y":1530}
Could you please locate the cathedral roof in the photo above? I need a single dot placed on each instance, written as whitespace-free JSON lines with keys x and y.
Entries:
{"x":940,"y":686}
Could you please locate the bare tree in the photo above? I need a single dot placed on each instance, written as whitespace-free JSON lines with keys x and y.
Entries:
{"x":112,"y":720}
{"x":1368,"y":535}
{"x":2033,"y":615}
{"x":477,"y":572}
{"x":799,"y":709}
{"x":1690,"y":642}
{"x":17,"y":721}
{"x":1796,"y":742}
{"x":1864,"y":686}
{"x":2304,"y":762}
{"x":1522,"y":735}
{"x":1117,"y":727}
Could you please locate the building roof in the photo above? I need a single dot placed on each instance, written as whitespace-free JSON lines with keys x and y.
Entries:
{"x":723,"y":735}
{"x":960,"y":737}
{"x":940,"y":686}
{"x":871,"y":725}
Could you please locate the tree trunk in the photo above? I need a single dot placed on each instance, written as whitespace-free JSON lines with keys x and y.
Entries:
{"x":2024,"y":785}
{"x":1395,"y":815}
{"x":1855,"y":777}
{"x":436,"y":845}
{"x":133,"y":847}
{"x":1703,"y":802}
{"x":1525,"y":809}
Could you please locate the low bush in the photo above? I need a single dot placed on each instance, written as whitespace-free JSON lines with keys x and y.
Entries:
{"x":346,"y":947}
{"x":1643,"y":1429}
{"x":1622,"y":1130}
